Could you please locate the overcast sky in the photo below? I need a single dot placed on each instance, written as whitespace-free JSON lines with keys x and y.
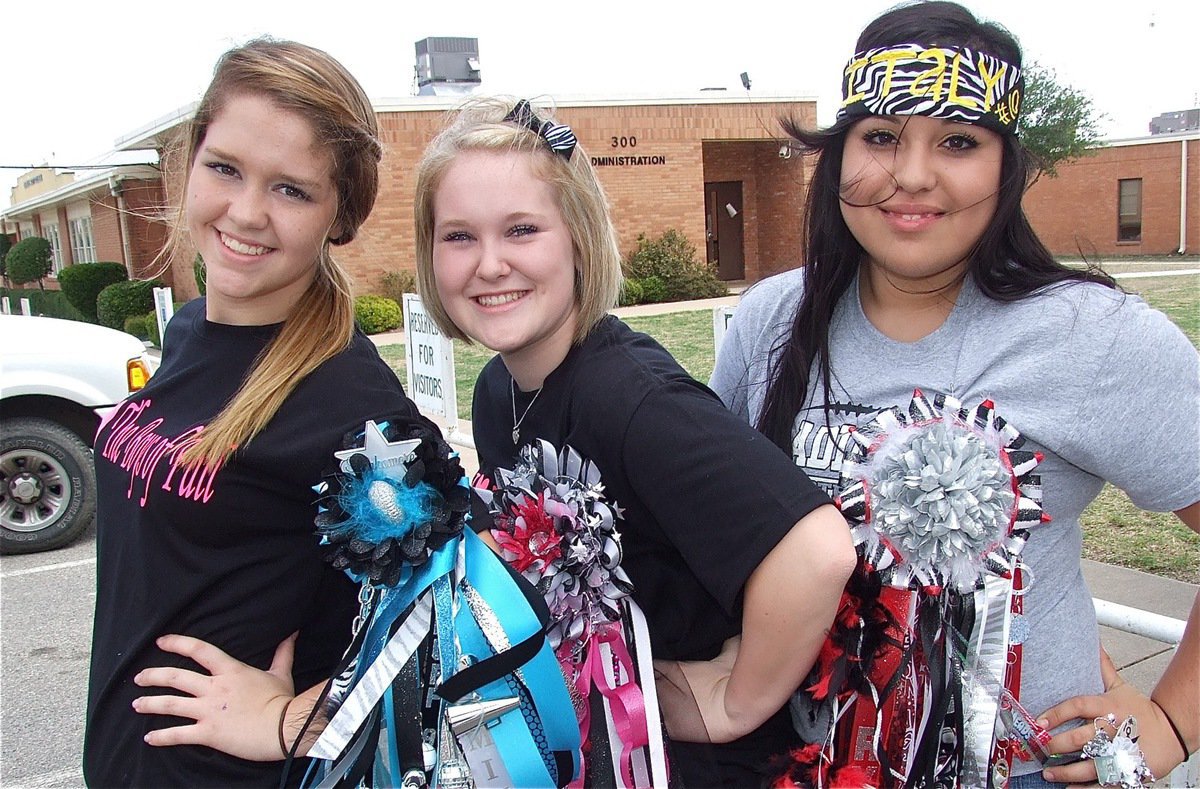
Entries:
{"x":81,"y":74}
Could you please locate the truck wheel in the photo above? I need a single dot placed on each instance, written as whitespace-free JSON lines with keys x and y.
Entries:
{"x":47,"y":485}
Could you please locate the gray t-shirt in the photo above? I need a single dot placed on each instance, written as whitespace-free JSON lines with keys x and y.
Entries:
{"x":1106,"y":387}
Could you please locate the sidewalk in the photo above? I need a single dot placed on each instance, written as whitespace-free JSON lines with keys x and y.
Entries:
{"x":1141,"y":661}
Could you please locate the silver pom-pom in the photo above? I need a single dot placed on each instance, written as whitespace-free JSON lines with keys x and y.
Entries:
{"x":941,"y":496}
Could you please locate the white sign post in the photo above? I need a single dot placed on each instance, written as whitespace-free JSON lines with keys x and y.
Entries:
{"x":721,"y":318}
{"x":430,"y":368}
{"x":164,"y":308}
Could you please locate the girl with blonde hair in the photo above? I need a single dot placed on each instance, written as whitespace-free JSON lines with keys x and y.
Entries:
{"x":716,"y":536}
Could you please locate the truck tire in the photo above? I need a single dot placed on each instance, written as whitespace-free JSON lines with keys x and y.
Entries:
{"x":47,"y":485}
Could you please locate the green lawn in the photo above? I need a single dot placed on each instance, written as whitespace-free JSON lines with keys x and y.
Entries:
{"x":1114,"y":531}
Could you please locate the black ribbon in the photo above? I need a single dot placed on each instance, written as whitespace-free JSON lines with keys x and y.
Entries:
{"x":558,"y":136}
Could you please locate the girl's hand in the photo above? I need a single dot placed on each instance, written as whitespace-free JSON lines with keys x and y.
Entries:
{"x":236,"y":708}
{"x":1156,"y":738}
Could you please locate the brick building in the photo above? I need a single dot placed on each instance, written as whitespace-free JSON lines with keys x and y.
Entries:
{"x":110,"y":213}
{"x":712,"y":166}
{"x":1130,"y":197}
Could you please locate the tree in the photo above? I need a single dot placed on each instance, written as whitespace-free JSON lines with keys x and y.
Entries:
{"x":1059,"y":123}
{"x":5,"y":245}
{"x":28,"y":261}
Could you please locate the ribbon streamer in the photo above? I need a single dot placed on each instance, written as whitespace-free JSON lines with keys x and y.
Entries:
{"x":555,"y":527}
{"x":941,"y":500}
{"x":374,"y":682}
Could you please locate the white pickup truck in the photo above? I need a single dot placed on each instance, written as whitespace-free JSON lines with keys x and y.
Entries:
{"x":57,"y":379}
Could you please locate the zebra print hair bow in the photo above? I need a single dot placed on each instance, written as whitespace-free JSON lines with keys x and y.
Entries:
{"x":558,"y":136}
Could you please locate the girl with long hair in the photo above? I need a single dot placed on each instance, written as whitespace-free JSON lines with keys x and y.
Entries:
{"x":205,"y":520}
{"x":927,"y":301}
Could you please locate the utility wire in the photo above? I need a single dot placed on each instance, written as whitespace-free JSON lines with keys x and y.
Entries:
{"x":75,"y":166}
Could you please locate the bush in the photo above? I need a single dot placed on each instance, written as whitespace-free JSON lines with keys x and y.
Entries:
{"x":122,"y":300}
{"x":144,"y":327}
{"x":28,"y":261}
{"x":5,"y":245}
{"x":82,"y":283}
{"x":672,"y":259}
{"x":49,"y":303}
{"x":201,"y":274}
{"x":654,"y":290}
{"x":394,"y":284}
{"x":376,"y":314}
{"x":631,"y":293}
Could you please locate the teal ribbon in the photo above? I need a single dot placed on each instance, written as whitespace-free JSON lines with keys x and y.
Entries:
{"x":525,"y":761}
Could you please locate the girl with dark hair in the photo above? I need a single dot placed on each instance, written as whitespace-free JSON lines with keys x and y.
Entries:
{"x":922,"y":273}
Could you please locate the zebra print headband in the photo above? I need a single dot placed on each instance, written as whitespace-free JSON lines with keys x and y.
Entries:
{"x":939,"y":82}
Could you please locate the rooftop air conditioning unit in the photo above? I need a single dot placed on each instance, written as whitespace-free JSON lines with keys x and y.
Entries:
{"x":447,"y":66}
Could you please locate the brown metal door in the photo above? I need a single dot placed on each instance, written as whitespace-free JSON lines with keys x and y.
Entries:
{"x":723,"y":226}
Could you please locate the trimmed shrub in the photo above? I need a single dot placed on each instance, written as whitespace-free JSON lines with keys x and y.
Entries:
{"x":122,"y":300}
{"x":144,"y":327}
{"x":376,"y":314}
{"x":82,"y":283}
{"x":29,"y":261}
{"x":672,"y":259}
{"x":48,"y":303}
{"x":631,"y":293}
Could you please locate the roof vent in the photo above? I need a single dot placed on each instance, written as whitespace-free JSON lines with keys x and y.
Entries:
{"x":447,"y":66}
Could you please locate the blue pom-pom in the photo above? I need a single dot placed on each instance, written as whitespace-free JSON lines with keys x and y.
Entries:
{"x":378,"y":507}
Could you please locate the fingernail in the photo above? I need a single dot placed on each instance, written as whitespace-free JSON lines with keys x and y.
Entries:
{"x":1044,"y":723}
{"x":136,"y":703}
{"x":1048,"y":775}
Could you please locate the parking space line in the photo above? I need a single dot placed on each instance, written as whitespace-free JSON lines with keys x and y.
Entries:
{"x":47,"y":568}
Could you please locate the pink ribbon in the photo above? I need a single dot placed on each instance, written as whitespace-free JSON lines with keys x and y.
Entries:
{"x":626,"y":702}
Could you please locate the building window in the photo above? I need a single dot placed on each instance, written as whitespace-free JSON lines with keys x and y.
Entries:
{"x":51,"y":234}
{"x":82,"y":248}
{"x":1129,"y":209}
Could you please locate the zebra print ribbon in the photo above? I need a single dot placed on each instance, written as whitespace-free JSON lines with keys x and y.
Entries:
{"x":938,"y":82}
{"x":558,"y":136}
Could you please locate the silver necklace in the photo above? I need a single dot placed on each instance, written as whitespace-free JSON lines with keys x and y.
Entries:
{"x":516,"y":433}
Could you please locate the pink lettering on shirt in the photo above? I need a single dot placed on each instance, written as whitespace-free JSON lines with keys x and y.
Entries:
{"x":139,"y":448}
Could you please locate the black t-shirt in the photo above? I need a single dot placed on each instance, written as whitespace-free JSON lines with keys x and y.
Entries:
{"x":705,"y":498}
{"x":228,"y":555}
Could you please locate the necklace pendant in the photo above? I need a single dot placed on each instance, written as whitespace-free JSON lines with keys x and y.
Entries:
{"x":516,"y":434}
